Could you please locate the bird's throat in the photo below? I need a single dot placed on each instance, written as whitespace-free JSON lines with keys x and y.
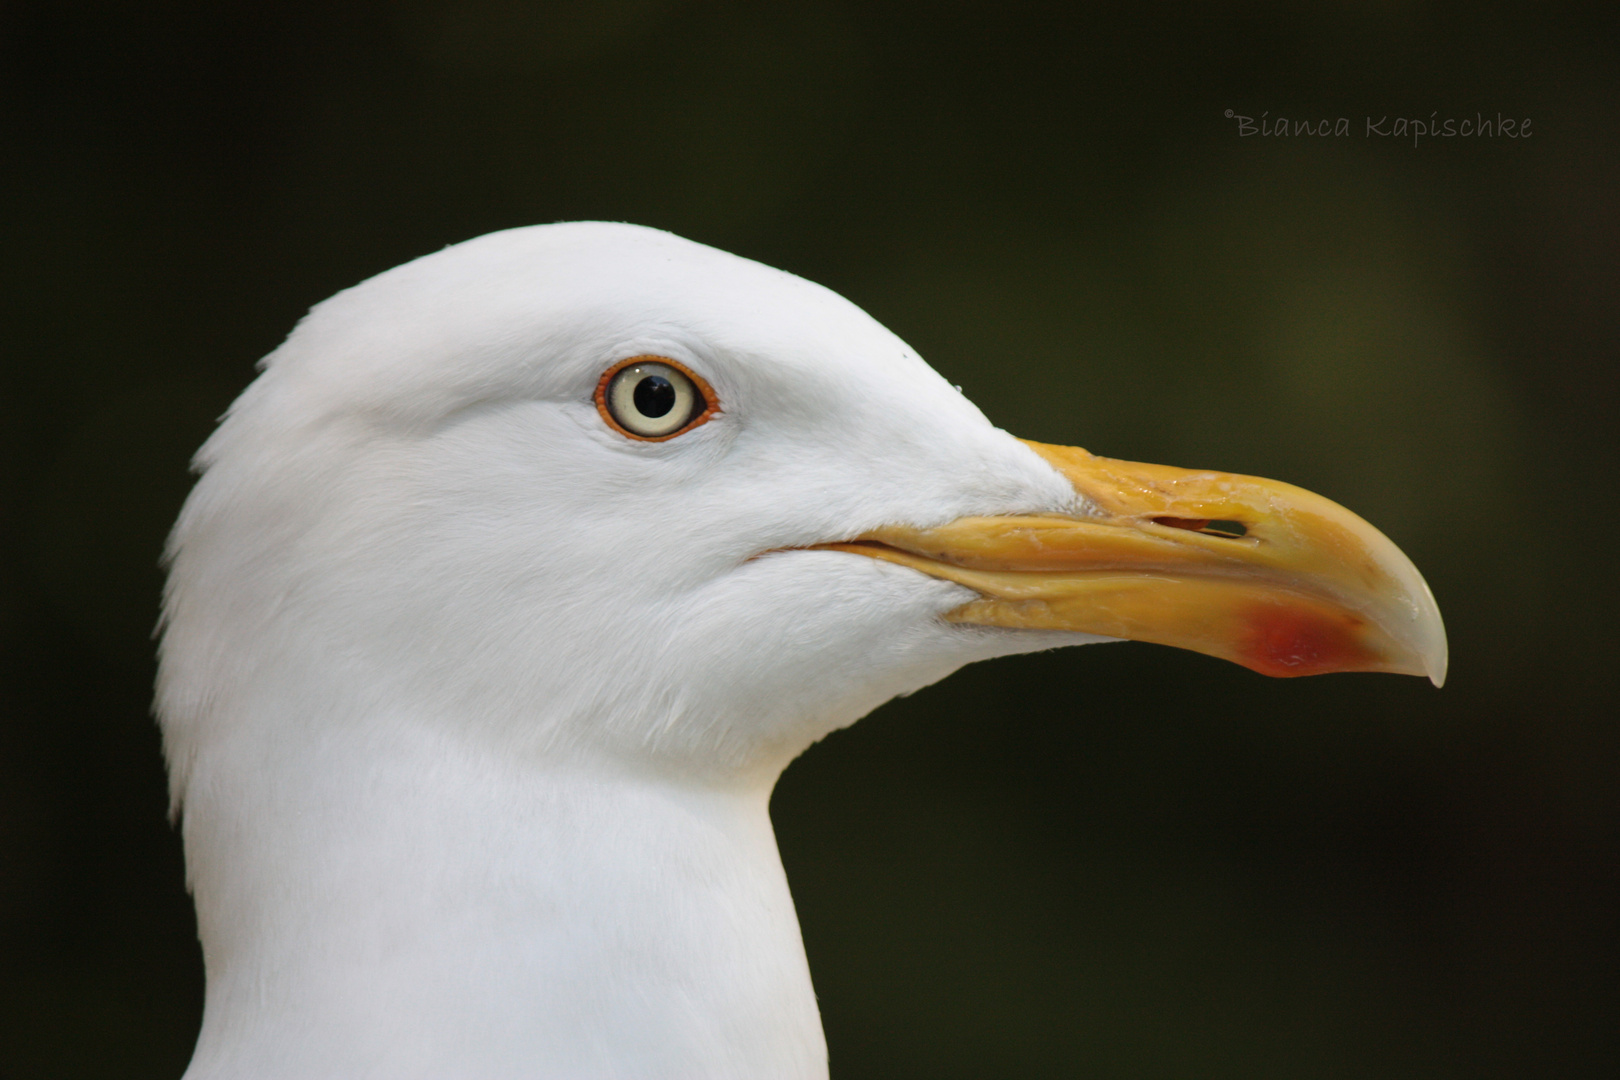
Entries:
{"x":409,"y":909}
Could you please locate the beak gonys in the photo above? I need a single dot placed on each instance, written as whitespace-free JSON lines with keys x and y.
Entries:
{"x":1265,"y":574}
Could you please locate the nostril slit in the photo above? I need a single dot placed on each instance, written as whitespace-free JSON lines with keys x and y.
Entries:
{"x":1210,"y":526}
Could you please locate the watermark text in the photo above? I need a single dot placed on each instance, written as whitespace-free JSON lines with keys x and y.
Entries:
{"x":1416,"y":128}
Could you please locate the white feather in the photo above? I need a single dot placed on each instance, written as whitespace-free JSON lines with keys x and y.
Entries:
{"x":473,"y":705}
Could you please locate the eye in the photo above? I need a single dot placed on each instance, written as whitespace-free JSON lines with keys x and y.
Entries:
{"x":653,"y":398}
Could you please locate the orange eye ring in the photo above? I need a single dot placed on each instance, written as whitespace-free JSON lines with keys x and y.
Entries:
{"x":612,"y":396}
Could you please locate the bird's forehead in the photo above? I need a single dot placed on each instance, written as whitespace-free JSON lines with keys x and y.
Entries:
{"x":538,"y":312}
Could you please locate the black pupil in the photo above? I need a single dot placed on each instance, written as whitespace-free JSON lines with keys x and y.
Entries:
{"x":654,"y":396}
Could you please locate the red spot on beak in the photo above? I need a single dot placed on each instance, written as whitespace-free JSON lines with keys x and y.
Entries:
{"x":1285,"y":641}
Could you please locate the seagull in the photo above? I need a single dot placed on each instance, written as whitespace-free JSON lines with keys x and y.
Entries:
{"x":512,"y":583}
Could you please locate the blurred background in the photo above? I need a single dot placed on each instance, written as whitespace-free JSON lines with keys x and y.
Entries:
{"x":1119,"y":861}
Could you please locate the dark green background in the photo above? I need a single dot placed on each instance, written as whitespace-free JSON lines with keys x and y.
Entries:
{"x":1117,"y":861}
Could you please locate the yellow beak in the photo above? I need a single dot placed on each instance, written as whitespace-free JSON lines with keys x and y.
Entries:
{"x":1265,"y":574}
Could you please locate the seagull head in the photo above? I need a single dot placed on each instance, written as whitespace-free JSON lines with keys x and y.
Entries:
{"x":593,"y":489}
{"x":521,"y":571}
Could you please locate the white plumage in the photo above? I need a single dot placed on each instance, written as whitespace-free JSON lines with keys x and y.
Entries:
{"x":473,"y":704}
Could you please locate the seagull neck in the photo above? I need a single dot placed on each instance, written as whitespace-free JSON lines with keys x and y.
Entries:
{"x":395,"y":906}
